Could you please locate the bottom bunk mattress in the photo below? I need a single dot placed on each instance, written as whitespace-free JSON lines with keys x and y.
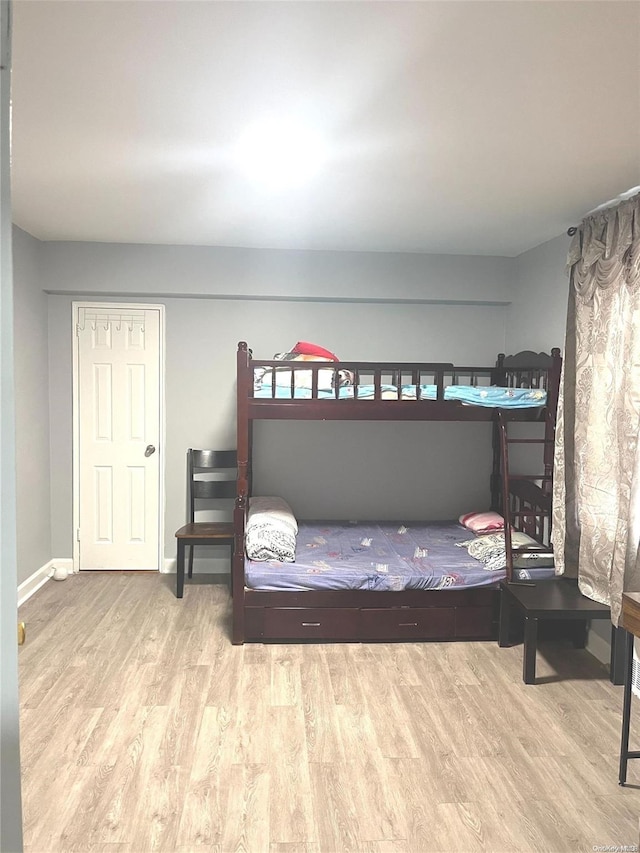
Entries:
{"x":385,"y":557}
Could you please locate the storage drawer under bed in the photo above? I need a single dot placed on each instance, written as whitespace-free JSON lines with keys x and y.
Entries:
{"x":407,"y":623}
{"x":314,"y":623}
{"x":367,"y":624}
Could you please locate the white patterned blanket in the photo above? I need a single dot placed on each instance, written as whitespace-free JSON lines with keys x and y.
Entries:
{"x":271,"y":530}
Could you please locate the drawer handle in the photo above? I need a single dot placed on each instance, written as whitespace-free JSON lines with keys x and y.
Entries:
{"x":310,"y":624}
{"x":408,"y":625}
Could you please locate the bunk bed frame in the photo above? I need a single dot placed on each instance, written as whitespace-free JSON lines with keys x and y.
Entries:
{"x":364,"y":615}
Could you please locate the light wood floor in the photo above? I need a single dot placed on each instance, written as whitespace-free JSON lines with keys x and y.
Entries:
{"x":143,"y":728}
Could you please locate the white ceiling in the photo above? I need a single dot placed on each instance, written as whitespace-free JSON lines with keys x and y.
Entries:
{"x":456,"y":127}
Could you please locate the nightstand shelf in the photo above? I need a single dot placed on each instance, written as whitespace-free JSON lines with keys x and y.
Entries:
{"x":555,"y":599}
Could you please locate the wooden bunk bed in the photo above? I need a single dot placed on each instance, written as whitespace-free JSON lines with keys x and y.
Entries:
{"x":403,"y":392}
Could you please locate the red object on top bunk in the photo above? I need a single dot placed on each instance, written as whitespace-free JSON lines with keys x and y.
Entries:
{"x":306,"y":348}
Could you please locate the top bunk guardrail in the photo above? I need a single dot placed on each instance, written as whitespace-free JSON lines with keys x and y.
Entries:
{"x":527,"y":383}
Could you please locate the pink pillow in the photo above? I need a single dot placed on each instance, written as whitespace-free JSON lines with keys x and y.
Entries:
{"x":482,"y":522}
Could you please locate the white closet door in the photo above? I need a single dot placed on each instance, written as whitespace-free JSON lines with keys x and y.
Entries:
{"x":119,"y":430}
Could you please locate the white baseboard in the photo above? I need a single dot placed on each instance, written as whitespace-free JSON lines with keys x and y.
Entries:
{"x":44,"y":573}
{"x":33,"y":583}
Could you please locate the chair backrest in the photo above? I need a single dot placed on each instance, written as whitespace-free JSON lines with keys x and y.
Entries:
{"x":212,"y":476}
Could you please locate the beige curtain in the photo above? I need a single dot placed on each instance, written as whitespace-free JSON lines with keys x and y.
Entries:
{"x":596,"y":494}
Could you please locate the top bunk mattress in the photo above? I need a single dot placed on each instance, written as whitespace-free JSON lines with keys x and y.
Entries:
{"x":384,"y":557}
{"x":489,"y":396}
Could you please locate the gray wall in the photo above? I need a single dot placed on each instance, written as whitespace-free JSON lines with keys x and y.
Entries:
{"x":139,"y":270}
{"x":536,"y":321}
{"x":537,"y":316}
{"x":31,"y":356}
{"x":382,"y":470}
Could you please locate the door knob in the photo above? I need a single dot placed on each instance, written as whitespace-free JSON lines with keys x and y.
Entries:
{"x":150,"y":450}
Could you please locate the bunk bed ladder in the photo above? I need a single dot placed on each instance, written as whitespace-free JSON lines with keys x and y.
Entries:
{"x":525,"y":499}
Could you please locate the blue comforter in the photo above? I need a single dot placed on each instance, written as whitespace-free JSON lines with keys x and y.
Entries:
{"x":387,"y":556}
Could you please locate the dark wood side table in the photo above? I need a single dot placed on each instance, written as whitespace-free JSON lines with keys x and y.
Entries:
{"x":631,"y":623}
{"x":556,"y":598}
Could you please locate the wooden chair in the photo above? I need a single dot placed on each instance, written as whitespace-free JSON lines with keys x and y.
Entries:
{"x":199,"y":464}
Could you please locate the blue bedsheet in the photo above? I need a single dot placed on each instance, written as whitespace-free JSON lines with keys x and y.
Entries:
{"x":491,"y":396}
{"x":346,"y":392}
{"x":384,"y":557}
